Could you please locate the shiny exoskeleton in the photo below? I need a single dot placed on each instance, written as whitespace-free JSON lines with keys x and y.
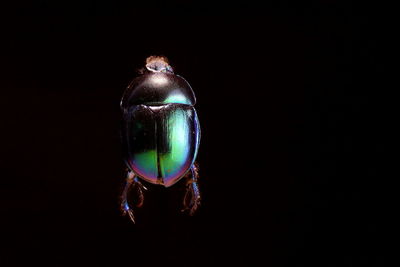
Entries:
{"x":160,"y":133}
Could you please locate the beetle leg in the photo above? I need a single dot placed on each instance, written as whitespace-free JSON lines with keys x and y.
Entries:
{"x":191,"y":200}
{"x":132,"y":181}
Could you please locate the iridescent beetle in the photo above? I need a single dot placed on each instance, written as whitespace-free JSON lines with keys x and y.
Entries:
{"x":160,"y":134}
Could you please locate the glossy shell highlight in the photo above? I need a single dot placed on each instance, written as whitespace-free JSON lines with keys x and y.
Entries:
{"x":158,"y":88}
{"x":161,"y":142}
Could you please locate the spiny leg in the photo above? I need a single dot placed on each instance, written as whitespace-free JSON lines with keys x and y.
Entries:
{"x":191,"y":200}
{"x":132,"y":181}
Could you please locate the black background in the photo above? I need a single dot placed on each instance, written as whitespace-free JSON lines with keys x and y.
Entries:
{"x":289,"y":104}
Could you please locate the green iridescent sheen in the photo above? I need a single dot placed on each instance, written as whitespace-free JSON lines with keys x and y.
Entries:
{"x":147,"y":162}
{"x":162,"y":142}
{"x":177,"y":97}
{"x":178,"y":144}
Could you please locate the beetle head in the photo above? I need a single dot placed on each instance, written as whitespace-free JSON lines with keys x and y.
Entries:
{"x":158,"y":64}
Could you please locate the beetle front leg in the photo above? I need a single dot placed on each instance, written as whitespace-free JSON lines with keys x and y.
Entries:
{"x":132,"y":181}
{"x":191,"y":200}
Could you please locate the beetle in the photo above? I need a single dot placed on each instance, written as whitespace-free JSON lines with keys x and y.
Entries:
{"x":160,"y":134}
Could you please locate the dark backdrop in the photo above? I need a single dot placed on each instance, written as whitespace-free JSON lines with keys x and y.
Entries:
{"x":289,"y":104}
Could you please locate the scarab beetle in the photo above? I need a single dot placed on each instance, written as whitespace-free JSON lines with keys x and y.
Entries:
{"x":160,"y":134}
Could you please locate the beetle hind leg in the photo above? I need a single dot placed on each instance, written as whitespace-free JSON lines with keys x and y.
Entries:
{"x":191,"y":200}
{"x":132,"y":182}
